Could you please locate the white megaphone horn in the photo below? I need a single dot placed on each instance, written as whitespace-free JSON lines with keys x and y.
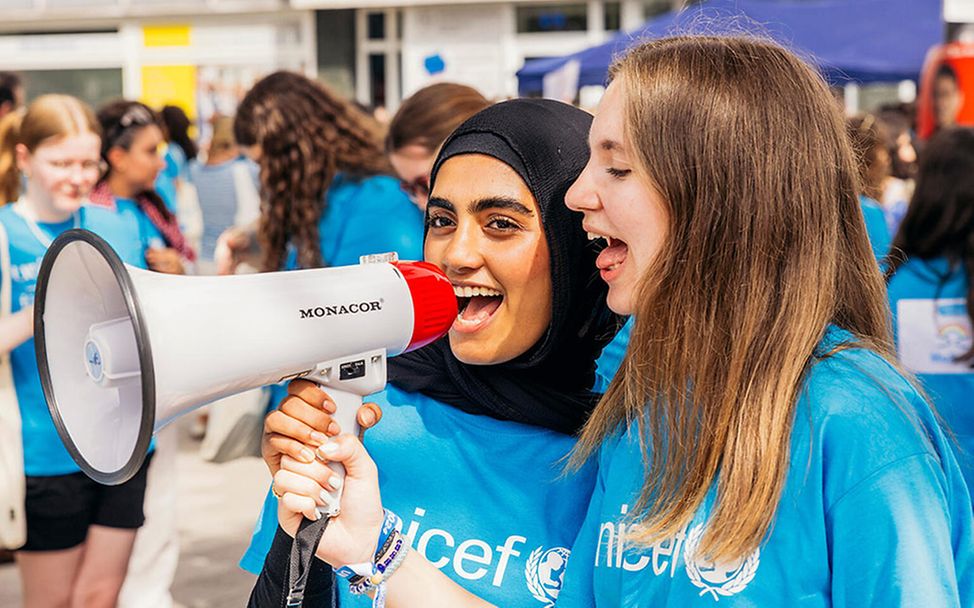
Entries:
{"x":124,"y":351}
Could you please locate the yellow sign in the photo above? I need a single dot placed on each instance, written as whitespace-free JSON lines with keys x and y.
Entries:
{"x":170,"y":85}
{"x":165,"y":35}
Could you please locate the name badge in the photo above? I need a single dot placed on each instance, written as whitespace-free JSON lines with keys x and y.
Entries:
{"x":932,"y":334}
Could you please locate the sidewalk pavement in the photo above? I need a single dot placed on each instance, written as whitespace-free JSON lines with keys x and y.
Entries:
{"x":218,"y":505}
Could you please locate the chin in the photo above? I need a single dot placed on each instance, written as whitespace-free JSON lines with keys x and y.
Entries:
{"x":620,"y":303}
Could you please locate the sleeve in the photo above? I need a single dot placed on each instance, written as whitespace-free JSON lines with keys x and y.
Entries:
{"x":578,"y":590}
{"x":262,"y":537}
{"x":394,"y":225}
{"x":270,"y":590}
{"x":901,"y":513}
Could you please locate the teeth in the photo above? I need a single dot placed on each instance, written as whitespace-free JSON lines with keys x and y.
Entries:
{"x":594,"y":237}
{"x":468,"y":292}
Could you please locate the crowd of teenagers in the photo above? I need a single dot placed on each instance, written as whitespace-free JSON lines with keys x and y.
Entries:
{"x":712,"y":347}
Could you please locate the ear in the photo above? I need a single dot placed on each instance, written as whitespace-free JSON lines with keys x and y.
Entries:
{"x":117,"y":157}
{"x":22,"y":156}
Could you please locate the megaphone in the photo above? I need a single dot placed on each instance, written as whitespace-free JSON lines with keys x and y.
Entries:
{"x":123,"y":351}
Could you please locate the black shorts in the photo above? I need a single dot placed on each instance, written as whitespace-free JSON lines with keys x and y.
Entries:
{"x":61,"y":508}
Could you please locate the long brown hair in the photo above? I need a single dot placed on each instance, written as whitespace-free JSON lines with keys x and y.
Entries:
{"x":870,"y":141}
{"x":430,"y":114}
{"x":765,"y":247}
{"x":47,"y":117}
{"x":307,"y":135}
{"x":940,"y":219}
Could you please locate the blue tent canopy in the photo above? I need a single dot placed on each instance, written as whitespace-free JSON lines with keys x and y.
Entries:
{"x":849,"y":40}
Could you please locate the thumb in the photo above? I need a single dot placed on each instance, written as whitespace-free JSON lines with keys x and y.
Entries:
{"x":349,"y":451}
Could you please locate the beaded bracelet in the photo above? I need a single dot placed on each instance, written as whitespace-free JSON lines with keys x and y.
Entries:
{"x":390,"y":523}
{"x":384,"y":568}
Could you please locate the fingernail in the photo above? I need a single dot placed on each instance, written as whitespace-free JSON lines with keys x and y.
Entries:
{"x":325,"y":497}
{"x":335,"y":481}
{"x":333,"y":428}
{"x":318,"y":438}
{"x":307,"y":456}
{"x":328,"y":448}
{"x":368,"y":418}
{"x":317,"y":514}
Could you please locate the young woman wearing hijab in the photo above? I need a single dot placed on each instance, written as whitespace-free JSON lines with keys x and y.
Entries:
{"x":931,"y":284}
{"x":476,"y":425}
{"x":759,"y":446}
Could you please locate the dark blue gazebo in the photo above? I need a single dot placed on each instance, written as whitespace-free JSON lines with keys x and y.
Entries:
{"x":849,"y":40}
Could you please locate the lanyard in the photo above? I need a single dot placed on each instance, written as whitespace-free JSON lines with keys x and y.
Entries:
{"x":39,"y":234}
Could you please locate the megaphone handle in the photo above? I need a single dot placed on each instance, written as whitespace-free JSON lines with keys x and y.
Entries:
{"x":346,"y":415}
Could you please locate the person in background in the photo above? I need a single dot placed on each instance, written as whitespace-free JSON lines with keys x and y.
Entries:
{"x":180,"y":151}
{"x":327,"y":194}
{"x":420,"y":126}
{"x":11,"y":93}
{"x":948,"y":97}
{"x":931,"y":284}
{"x":869,"y":141}
{"x":79,"y":534}
{"x":227,"y":186}
{"x":898,"y":186}
{"x":131,"y":151}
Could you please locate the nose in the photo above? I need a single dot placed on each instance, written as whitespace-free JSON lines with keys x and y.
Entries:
{"x":463,"y":255}
{"x":582,"y":196}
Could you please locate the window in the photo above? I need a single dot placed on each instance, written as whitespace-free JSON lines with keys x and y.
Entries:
{"x":613,"y":16}
{"x":94,"y":86}
{"x":376,"y":26}
{"x":552,"y":18}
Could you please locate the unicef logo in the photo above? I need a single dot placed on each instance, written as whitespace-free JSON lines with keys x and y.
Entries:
{"x":718,"y":579}
{"x":544,"y":573}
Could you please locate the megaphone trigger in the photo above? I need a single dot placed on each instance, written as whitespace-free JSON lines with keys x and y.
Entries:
{"x":347,"y":381}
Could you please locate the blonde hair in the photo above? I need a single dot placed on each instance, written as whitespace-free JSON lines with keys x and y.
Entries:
{"x":765,"y":247}
{"x":222,"y":140}
{"x":48,"y":117}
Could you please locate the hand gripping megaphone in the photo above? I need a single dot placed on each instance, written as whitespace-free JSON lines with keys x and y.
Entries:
{"x":123,"y":351}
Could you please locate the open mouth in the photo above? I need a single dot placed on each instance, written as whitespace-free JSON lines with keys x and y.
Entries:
{"x":476,"y":306}
{"x":613,"y":254}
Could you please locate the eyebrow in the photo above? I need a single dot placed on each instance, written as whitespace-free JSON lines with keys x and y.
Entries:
{"x":610,"y":145}
{"x":500,"y":202}
{"x":483,"y":204}
{"x":441,"y":203}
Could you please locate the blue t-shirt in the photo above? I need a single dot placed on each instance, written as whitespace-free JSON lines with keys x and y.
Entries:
{"x":874,"y":512}
{"x":44,"y":454}
{"x":932,"y":327}
{"x":366,"y":216}
{"x":876,"y":227}
{"x":482,"y":499}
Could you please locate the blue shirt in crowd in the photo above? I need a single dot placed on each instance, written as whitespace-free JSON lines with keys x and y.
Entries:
{"x":128,"y":232}
{"x":482,"y":499}
{"x":876,"y":227}
{"x":932,"y":328}
{"x":874,"y":512}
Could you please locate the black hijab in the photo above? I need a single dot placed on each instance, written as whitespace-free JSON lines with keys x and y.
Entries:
{"x":546,"y":143}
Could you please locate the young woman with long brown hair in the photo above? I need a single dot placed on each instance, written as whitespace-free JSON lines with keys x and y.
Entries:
{"x":327,"y":191}
{"x":758,"y":446}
